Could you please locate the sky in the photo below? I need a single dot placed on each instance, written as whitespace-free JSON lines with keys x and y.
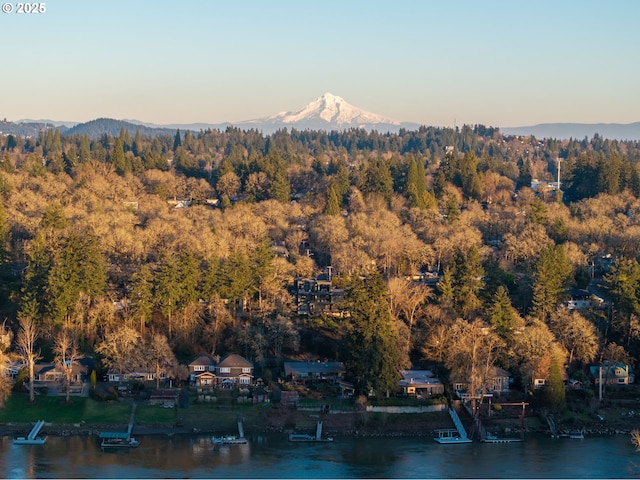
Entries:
{"x":500,"y":63}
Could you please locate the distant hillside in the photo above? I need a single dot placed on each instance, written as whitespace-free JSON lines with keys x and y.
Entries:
{"x":613,"y":131}
{"x":100,"y":126}
{"x":26,"y":129}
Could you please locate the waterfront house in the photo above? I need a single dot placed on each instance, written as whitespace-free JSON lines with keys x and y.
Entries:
{"x":234,"y":370}
{"x":499,"y":380}
{"x":496,"y":381}
{"x":202,"y":370}
{"x":612,"y":373}
{"x":307,"y":372}
{"x":419,"y":383}
{"x":51,"y":376}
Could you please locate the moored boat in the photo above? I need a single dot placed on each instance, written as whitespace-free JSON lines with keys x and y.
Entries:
{"x":119,"y":443}
{"x":228,"y":440}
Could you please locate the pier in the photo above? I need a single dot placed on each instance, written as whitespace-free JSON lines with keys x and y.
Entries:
{"x":32,"y":438}
{"x":121,"y":439}
{"x":451,"y":436}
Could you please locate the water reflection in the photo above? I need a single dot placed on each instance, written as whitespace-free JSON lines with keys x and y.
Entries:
{"x":272,"y":456}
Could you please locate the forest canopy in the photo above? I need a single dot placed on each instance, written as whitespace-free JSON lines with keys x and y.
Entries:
{"x":198,"y":237}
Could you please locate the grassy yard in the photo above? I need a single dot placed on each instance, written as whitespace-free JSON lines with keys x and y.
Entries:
{"x":92,"y":412}
{"x":54,"y":409}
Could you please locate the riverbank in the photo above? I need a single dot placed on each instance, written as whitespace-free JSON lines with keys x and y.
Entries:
{"x":350,"y":424}
{"x":86,"y":417}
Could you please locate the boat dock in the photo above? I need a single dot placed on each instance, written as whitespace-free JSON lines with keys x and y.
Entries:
{"x":32,"y":438}
{"x":450,"y":436}
{"x":303,"y":437}
{"x":232,"y":439}
{"x":121,"y":439}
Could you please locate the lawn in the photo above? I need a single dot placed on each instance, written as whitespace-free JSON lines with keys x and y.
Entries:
{"x":92,"y":412}
{"x":54,"y":409}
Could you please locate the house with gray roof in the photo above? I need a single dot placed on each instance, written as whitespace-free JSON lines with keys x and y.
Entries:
{"x":312,"y":372}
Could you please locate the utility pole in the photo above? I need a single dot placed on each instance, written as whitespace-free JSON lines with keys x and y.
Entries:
{"x":558,"y":191}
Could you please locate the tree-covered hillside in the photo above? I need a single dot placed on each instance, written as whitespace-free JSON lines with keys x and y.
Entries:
{"x":196,"y":239}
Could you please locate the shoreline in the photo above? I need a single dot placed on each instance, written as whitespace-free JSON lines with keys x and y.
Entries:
{"x":86,"y":430}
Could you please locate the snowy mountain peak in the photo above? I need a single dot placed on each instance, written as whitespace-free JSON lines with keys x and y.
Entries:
{"x":335,"y":110}
{"x":326,"y":112}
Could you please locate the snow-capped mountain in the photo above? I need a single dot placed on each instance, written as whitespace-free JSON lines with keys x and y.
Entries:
{"x":328,"y":112}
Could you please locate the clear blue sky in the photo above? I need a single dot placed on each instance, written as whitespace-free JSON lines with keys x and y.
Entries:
{"x":499,"y":63}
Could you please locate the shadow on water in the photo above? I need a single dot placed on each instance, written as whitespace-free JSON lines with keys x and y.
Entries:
{"x":273,"y":456}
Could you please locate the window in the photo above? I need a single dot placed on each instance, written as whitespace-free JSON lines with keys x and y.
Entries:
{"x":246,"y":369}
{"x":225,"y":369}
{"x":244,"y":380}
{"x":198,"y":368}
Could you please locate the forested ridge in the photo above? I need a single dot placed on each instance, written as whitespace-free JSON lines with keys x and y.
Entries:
{"x":95,"y":249}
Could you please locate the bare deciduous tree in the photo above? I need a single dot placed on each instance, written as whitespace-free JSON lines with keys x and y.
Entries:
{"x":405,"y":299}
{"x":65,"y":349}
{"x":121,"y":350}
{"x":27,"y":349}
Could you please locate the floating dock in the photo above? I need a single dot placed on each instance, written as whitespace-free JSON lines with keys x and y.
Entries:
{"x":303,"y":437}
{"x":121,"y":439}
{"x":493,"y":439}
{"x":232,"y":439}
{"x":32,"y":438}
{"x":453,"y":436}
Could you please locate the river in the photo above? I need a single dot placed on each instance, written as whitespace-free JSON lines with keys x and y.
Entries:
{"x":272,"y":456}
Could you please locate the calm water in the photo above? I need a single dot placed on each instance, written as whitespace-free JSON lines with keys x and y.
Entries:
{"x":272,"y":456}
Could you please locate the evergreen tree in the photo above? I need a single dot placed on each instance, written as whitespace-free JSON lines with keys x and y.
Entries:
{"x":177,"y":140}
{"x":84,"y":151}
{"x":416,"y":197}
{"x":551,"y":274}
{"x":166,"y":294}
{"x":370,"y":343}
{"x":624,"y":285}
{"x":276,"y":170}
{"x":119,"y":160}
{"x":211,"y":278}
{"x":377,"y":179}
{"x":142,"y":295}
{"x":421,"y":178}
{"x":502,"y":315}
{"x":333,"y":204}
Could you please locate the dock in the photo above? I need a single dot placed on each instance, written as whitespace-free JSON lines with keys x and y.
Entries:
{"x":121,"y":439}
{"x":453,"y":436}
{"x":232,"y":439}
{"x":303,"y":437}
{"x":32,"y":438}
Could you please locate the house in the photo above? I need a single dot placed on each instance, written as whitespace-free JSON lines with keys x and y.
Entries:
{"x":202,"y":370}
{"x":315,"y":296}
{"x":234,"y":370}
{"x":306,"y":372}
{"x":135,"y":376}
{"x":496,"y":381}
{"x":579,"y":299}
{"x":51,"y":376}
{"x":49,"y":373}
{"x":419,"y":383}
{"x":612,"y":373}
{"x":499,"y":380}
{"x":14,"y":369}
